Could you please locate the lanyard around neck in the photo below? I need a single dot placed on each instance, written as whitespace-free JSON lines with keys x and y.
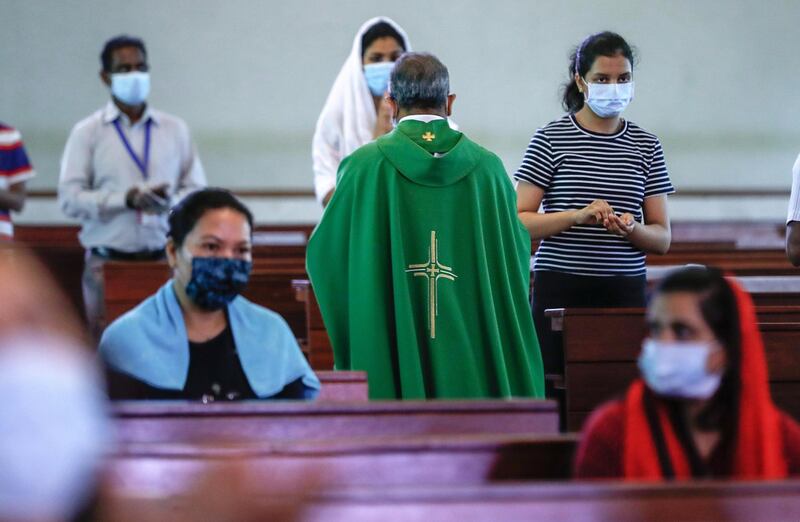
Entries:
{"x":141,"y":163}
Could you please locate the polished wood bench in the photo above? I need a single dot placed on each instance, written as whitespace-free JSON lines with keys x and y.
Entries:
{"x":597,"y":501}
{"x":318,"y":344}
{"x":343,"y":386}
{"x":128,"y":284}
{"x":166,"y":468}
{"x":601,"y":346}
{"x":766,"y":290}
{"x":62,"y":254}
{"x":167,"y":421}
{"x":58,"y":248}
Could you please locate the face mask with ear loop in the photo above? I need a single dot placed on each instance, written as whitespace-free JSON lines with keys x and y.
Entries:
{"x":131,"y":88}
{"x":377,"y":77}
{"x":608,"y":100}
{"x":678,"y":369}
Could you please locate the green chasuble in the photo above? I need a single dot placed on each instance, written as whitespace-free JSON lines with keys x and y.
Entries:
{"x":421,"y":269}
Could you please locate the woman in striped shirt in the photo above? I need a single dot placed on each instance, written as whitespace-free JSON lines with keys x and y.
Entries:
{"x":603,"y":184}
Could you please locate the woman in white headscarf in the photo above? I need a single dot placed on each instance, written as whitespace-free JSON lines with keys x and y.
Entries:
{"x":355,"y":112}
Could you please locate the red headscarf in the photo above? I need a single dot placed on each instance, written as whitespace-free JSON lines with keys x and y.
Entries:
{"x":758,"y":452}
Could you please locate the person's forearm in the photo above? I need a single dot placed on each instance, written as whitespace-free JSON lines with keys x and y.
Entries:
{"x":651,"y":238}
{"x":11,"y":200}
{"x":81,"y":203}
{"x":541,"y":226}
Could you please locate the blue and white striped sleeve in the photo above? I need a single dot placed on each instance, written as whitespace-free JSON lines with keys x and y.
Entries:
{"x":658,"y":182}
{"x":537,"y":165}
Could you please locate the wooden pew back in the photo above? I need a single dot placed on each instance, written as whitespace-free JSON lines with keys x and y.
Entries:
{"x":164,"y":469}
{"x":318,"y":344}
{"x":142,"y":421}
{"x":343,"y":386}
{"x":601,"y":347}
{"x":128,"y":284}
{"x":597,"y":501}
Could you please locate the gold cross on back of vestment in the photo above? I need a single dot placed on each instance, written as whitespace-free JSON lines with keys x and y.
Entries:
{"x":432,"y":270}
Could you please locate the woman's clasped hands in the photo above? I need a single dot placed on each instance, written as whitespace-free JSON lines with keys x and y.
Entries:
{"x":599,"y":212}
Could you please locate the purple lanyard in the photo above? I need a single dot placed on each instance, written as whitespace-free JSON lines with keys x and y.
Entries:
{"x":142,"y":164}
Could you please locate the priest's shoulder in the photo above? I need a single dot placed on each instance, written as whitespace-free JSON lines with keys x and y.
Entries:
{"x":363,"y":161}
{"x":363,"y":157}
{"x":488,"y":159}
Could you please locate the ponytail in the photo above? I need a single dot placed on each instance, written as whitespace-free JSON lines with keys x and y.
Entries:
{"x":572,"y":100}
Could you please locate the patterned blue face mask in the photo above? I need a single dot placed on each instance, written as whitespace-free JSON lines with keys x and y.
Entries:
{"x":377,"y":76}
{"x":216,"y":281}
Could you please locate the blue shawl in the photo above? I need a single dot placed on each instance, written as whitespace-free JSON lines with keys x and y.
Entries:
{"x":150,"y":343}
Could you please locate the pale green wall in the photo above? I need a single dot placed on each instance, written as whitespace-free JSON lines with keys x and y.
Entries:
{"x":717,"y":80}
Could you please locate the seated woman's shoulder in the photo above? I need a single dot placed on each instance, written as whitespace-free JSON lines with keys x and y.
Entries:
{"x":608,"y":418}
{"x":256,"y":309}
{"x":599,"y":453}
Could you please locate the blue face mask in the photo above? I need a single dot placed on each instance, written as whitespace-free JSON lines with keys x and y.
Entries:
{"x":377,"y":76}
{"x":678,"y":369}
{"x":131,"y":88}
{"x":216,"y":281}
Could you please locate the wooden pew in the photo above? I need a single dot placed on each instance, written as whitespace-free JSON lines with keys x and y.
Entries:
{"x":58,"y":248}
{"x":765,"y":290}
{"x":738,"y":262}
{"x":165,"y":421}
{"x":744,"y":234}
{"x":62,"y":254}
{"x":601,"y":347}
{"x":164,"y":469}
{"x":318,"y":344}
{"x":128,"y":284}
{"x":775,"y":291}
{"x":597,"y":501}
{"x":343,"y":386}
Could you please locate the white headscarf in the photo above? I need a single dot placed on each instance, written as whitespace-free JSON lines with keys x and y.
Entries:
{"x":54,"y":428}
{"x":348,"y":118}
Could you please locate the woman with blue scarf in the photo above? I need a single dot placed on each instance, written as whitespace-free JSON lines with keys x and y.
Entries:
{"x":197,"y":338}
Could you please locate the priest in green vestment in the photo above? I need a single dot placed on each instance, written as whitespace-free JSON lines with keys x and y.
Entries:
{"x":420,"y":265}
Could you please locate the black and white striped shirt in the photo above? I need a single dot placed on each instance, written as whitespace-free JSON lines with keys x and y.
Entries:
{"x":574,"y":167}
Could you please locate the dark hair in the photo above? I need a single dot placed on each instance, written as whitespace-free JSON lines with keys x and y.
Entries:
{"x":419,"y":80}
{"x":720,"y":311}
{"x":184,"y":216}
{"x":380,"y":30}
{"x":118,"y":42}
{"x":582,"y":59}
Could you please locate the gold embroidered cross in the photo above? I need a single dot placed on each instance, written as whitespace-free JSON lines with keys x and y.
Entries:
{"x":432,"y":270}
{"x":429,"y":136}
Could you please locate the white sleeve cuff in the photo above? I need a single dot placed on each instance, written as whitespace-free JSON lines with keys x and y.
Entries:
{"x":794,"y":199}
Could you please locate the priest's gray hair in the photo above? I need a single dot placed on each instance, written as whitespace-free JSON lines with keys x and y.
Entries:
{"x":419,"y":80}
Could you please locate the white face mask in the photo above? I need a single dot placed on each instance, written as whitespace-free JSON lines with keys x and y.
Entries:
{"x":678,"y":369}
{"x":131,"y":88}
{"x":55,"y":427}
{"x":608,"y":100}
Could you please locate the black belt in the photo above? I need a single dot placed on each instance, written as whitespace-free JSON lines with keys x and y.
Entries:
{"x":118,"y":255}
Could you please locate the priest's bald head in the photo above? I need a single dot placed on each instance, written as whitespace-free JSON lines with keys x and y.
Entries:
{"x":420,"y":84}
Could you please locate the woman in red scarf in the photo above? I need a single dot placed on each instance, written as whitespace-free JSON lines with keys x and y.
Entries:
{"x":702,"y":407}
